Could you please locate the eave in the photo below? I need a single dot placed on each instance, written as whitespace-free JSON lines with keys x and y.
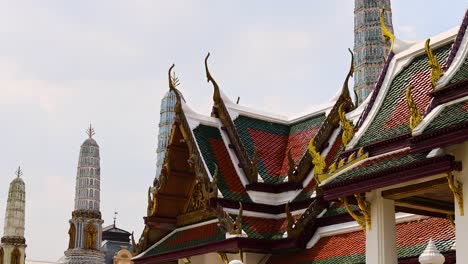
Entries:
{"x":380,"y":179}
{"x":257,"y":207}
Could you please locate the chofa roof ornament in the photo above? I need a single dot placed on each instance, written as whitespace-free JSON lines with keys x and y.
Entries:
{"x":385,"y":32}
{"x":436,"y":70}
{"x":216,"y":93}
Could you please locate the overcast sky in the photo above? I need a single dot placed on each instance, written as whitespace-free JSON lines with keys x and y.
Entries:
{"x":65,"y":64}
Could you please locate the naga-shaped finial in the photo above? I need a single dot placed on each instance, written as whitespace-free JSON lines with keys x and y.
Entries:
{"x":290,"y":220}
{"x":385,"y":32}
{"x":436,"y":70}
{"x":317,"y":159}
{"x":173,"y":80}
{"x":415,"y":114}
{"x":346,"y":126}
{"x":216,"y":93}
{"x":345,"y":89}
{"x":90,"y":131}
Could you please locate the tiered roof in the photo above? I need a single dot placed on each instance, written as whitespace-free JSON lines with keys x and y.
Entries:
{"x":242,"y":164}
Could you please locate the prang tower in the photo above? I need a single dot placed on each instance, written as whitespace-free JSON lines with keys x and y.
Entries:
{"x":86,"y":224}
{"x":370,"y":50}
{"x":12,"y":249}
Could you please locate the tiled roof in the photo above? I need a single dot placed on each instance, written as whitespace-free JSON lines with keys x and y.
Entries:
{"x":273,"y":141}
{"x":462,"y":73}
{"x":393,"y":116}
{"x":450,"y":115}
{"x":264,"y":228}
{"x":188,"y":238}
{"x":214,"y":151}
{"x":349,"y":248}
{"x":370,"y":166}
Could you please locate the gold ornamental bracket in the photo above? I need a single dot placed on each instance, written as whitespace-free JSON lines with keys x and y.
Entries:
{"x":457,"y":189}
{"x":346,"y":126}
{"x":345,"y":89}
{"x":227,"y":224}
{"x":415,"y":114}
{"x":363,"y":217}
{"x":387,"y":34}
{"x":436,"y":69}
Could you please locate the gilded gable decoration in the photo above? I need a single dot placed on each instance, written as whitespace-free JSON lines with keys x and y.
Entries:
{"x":415,"y":114}
{"x":385,"y":32}
{"x":317,"y":159}
{"x":346,"y":126}
{"x":436,"y":69}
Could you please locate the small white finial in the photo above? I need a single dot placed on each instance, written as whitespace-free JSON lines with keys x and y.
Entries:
{"x":235,"y":262}
{"x":19,"y":172}
{"x":431,"y":255}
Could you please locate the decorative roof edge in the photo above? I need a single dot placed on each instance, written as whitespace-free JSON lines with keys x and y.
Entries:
{"x":173,"y":232}
{"x":394,"y":65}
{"x":353,"y":226}
{"x":433,"y":114}
{"x":456,"y":58}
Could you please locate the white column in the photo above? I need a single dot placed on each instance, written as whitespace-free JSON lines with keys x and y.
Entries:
{"x":381,"y":236}
{"x":461,"y":222}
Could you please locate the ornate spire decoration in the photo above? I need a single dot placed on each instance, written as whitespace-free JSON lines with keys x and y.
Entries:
{"x":86,"y":224}
{"x":436,"y":70}
{"x":346,"y":126}
{"x":90,"y":131}
{"x":169,"y":104}
{"x":173,"y":80}
{"x":363,"y":218}
{"x":213,"y":191}
{"x":216,"y":93}
{"x":13,"y":240}
{"x":415,"y":114}
{"x":317,"y":159}
{"x":19,"y":172}
{"x":387,"y":34}
{"x":370,"y":49}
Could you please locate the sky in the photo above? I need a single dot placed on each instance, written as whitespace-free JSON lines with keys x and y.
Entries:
{"x":66,"y":64}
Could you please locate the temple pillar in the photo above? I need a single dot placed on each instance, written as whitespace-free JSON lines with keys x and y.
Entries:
{"x":381,"y":235}
{"x":461,"y":222}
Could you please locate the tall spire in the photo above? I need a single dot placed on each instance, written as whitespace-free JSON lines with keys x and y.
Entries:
{"x":13,"y":241}
{"x":167,"y":118}
{"x":86,"y":224}
{"x":370,"y":50}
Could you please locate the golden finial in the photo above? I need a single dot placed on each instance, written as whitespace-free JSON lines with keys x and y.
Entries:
{"x":19,"y":172}
{"x":346,"y":126}
{"x":173,"y":80}
{"x":385,"y":32}
{"x":254,"y":170}
{"x":436,"y":70}
{"x":90,"y":131}
{"x":345,"y":88}
{"x":341,"y":163}
{"x":415,"y":114}
{"x":332,"y":168}
{"x":352,"y":157}
{"x":216,"y":94}
{"x":360,"y":152}
{"x":317,"y":159}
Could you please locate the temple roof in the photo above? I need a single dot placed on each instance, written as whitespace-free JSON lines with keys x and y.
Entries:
{"x":412,"y":238}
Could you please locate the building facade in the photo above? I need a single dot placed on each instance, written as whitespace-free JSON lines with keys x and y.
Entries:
{"x":85,"y":232}
{"x":13,"y":243}
{"x":377,"y":182}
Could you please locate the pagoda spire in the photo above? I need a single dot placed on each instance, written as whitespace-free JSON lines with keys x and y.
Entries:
{"x":13,"y":241}
{"x":370,"y":48}
{"x":167,"y":118}
{"x":86,"y":224}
